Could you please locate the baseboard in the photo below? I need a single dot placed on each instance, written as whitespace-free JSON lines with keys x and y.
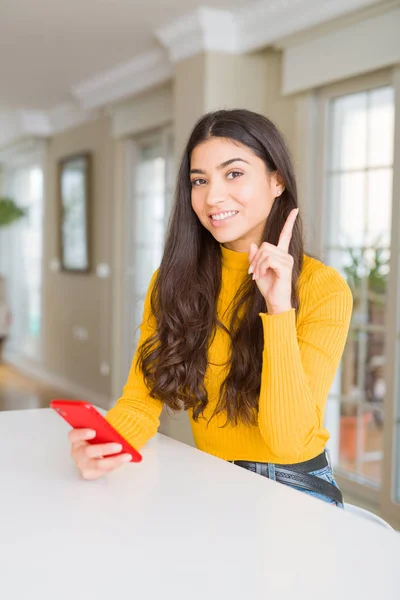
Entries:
{"x":37,"y":371}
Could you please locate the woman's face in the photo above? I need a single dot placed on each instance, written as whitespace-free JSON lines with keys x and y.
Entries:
{"x":232,"y":192}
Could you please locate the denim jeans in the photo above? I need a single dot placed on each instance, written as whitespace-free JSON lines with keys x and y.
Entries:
{"x":326,"y":474}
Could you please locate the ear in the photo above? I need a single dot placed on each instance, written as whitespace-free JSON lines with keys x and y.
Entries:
{"x":277,"y":184}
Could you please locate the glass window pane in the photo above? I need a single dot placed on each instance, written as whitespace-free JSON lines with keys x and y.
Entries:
{"x":363,"y":382}
{"x":379,"y":185}
{"x":361,"y":441}
{"x":375,"y":383}
{"x":363,"y":372}
{"x":381,"y":127}
{"x":150,"y":196}
{"x":367,"y":271}
{"x":349,"y":367}
{"x":358,"y":218}
{"x":144,"y":268}
{"x":149,"y":218}
{"x":150,"y":176}
{"x":22,"y":261}
{"x":336,"y":258}
{"x":349,"y":132}
{"x":346,"y":209}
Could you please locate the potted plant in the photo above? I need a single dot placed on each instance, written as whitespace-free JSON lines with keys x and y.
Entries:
{"x":9,"y":213}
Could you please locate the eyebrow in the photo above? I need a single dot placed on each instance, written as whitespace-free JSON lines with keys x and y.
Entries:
{"x":221,"y":166}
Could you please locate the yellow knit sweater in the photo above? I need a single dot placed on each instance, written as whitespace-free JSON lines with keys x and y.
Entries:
{"x":300,"y":360}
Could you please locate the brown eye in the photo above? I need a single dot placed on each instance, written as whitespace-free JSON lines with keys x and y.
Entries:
{"x":197,"y":182}
{"x":234,"y":174}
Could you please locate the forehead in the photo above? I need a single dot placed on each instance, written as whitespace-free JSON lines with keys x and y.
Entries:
{"x":215,"y":151}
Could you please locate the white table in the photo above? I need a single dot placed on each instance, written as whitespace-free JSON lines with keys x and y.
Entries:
{"x":181,"y":525}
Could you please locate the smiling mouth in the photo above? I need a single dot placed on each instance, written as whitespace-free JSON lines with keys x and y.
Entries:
{"x":224,"y":215}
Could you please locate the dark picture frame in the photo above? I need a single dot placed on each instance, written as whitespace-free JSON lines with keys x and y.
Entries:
{"x":74,"y":191}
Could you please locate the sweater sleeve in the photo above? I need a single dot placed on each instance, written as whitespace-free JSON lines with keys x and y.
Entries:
{"x":299,"y":365}
{"x":136,"y":415}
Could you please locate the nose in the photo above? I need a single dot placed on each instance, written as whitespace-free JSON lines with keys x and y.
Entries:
{"x":216,"y":194}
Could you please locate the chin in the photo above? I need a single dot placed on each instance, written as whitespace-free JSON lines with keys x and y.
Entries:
{"x":224,"y":237}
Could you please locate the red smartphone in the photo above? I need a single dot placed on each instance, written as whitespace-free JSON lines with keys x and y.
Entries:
{"x":83,"y":415}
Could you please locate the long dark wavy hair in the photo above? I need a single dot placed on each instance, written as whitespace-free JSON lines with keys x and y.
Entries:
{"x":184,"y":297}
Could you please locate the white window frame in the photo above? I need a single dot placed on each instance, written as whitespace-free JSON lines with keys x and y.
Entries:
{"x":315,"y":107}
{"x":130,"y":152}
{"x":25,"y":155}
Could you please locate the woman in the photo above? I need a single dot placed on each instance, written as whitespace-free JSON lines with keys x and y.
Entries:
{"x":240,"y":327}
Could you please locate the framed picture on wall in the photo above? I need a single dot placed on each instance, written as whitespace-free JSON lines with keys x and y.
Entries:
{"x":74,"y":183}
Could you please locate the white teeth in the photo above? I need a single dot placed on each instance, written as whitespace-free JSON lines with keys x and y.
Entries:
{"x":224,"y":215}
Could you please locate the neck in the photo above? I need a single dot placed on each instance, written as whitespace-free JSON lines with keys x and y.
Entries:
{"x":234,"y":260}
{"x":242,"y":244}
{"x":237,"y":246}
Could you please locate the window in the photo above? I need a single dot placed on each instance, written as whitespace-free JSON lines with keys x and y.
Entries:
{"x":354,"y":151}
{"x":149,"y":202}
{"x":357,"y":243}
{"x":21,"y":259}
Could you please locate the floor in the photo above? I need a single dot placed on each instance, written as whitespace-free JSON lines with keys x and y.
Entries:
{"x":18,"y":391}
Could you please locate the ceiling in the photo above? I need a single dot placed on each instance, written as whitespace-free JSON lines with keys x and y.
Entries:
{"x":47,"y":46}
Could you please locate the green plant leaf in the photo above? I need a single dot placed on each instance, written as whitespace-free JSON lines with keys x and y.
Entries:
{"x":10,"y":212}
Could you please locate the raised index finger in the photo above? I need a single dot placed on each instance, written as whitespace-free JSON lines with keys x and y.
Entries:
{"x":287,"y":231}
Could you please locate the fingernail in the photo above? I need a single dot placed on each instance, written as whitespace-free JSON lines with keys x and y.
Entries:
{"x":126,"y":458}
{"x":251,"y":269}
{"x":117,"y":448}
{"x":90,"y":435}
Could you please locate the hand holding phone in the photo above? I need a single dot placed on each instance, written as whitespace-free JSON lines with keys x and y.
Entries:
{"x":96,"y":447}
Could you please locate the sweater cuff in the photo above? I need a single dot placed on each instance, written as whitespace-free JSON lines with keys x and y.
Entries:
{"x":279,"y":329}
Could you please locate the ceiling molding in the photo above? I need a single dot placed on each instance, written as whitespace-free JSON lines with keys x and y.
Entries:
{"x":203,"y":30}
{"x":23,"y":124}
{"x":253,"y":27}
{"x":22,"y":152}
{"x":269,"y":21}
{"x":344,"y":53}
{"x":19,"y":124}
{"x":342,"y":21}
{"x":145,"y":71}
{"x":256,"y":26}
{"x":35,"y":123}
{"x":66,"y":116}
